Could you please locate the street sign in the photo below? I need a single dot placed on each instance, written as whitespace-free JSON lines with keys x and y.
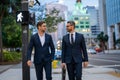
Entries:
{"x":22,"y":17}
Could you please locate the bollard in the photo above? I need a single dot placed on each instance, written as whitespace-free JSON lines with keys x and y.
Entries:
{"x":54,"y":64}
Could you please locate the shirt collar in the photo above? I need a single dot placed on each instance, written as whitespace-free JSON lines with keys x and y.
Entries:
{"x":41,"y":36}
{"x":72,"y":33}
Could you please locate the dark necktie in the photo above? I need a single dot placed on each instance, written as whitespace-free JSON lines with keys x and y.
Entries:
{"x":72,"y":39}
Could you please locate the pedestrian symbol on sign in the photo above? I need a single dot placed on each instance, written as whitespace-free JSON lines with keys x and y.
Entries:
{"x":22,"y":17}
{"x":19,"y":17}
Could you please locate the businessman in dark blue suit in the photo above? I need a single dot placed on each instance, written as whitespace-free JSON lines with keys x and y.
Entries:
{"x":74,"y":52}
{"x":44,"y":52}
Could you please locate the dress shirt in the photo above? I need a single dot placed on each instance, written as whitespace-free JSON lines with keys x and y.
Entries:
{"x":42,"y":39}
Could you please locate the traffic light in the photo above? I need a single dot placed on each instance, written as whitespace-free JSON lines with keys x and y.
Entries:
{"x":32,"y":18}
{"x":25,"y":17}
{"x":22,"y":17}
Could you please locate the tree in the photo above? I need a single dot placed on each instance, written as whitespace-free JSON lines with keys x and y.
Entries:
{"x":4,"y":6}
{"x":103,"y":38}
{"x":11,"y":33}
{"x":3,"y":12}
{"x":52,"y":19}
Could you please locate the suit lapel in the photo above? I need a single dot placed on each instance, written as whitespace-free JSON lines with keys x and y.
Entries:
{"x":68,"y":38}
{"x":75,"y":37}
{"x":38,"y":40}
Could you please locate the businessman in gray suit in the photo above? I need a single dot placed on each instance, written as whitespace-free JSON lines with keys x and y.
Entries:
{"x":44,"y":52}
{"x":74,"y":52}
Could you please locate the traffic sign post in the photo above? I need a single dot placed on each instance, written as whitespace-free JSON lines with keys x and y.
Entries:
{"x":22,"y":17}
{"x":25,"y":17}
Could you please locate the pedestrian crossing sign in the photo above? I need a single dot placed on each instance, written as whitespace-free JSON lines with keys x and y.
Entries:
{"x":22,"y":17}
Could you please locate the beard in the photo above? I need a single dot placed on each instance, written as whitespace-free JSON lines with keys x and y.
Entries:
{"x":43,"y":31}
{"x":69,"y":30}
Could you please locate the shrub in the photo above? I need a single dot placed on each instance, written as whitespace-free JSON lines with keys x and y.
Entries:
{"x":11,"y":56}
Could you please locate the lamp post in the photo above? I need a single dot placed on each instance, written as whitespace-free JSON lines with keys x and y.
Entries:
{"x":25,"y":27}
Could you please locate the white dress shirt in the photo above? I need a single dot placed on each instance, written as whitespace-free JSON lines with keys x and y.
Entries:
{"x":42,"y":39}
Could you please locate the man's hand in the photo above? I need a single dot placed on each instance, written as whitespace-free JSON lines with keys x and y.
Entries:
{"x":85,"y":64}
{"x":29,"y":63}
{"x":63,"y":65}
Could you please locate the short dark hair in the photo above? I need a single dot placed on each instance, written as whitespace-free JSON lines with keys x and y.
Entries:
{"x":40,"y":23}
{"x":71,"y":23}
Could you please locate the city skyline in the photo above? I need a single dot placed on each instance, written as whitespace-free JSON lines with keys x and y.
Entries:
{"x":70,"y":4}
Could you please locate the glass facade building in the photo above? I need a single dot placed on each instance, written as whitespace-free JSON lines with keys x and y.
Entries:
{"x":113,"y":22}
{"x":113,"y":11}
{"x":82,"y":20}
{"x":82,"y":24}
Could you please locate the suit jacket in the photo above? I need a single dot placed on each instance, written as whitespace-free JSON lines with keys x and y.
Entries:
{"x":77,"y":50}
{"x":45,"y":52}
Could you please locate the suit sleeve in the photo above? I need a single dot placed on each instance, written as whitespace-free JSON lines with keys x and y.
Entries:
{"x":52,"y":48}
{"x":63,"y":50}
{"x":30,"y":47}
{"x":85,"y":55}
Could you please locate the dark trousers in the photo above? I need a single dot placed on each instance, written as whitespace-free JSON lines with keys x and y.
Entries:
{"x":74,"y":70}
{"x":39,"y":70}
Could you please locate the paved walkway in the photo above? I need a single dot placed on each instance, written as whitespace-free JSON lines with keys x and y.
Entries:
{"x":9,"y":72}
{"x":90,"y":73}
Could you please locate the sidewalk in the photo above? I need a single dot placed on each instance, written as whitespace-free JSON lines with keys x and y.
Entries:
{"x":8,"y":72}
{"x":90,"y":73}
{"x":112,"y":51}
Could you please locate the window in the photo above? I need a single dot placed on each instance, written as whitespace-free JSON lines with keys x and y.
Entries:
{"x":87,"y":26}
{"x":81,"y":22}
{"x":76,"y":18}
{"x":82,"y":26}
{"x":87,"y":22}
{"x":76,"y":26}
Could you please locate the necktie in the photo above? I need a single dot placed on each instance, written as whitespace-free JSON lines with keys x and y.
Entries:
{"x":72,"y":39}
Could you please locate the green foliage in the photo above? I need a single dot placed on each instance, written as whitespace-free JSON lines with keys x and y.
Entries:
{"x":11,"y":56}
{"x":6,"y":4}
{"x":4,"y":12}
{"x":11,"y":32}
{"x":52,"y":20}
{"x":102,"y":37}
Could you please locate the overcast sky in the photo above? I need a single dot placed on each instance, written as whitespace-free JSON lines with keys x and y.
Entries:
{"x":71,"y":3}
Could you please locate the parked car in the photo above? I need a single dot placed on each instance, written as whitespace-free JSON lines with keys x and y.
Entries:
{"x":98,"y":49}
{"x":58,"y":54}
{"x":91,"y":51}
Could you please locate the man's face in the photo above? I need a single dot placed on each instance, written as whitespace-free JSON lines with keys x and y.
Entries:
{"x":69,"y":27}
{"x":42,"y":27}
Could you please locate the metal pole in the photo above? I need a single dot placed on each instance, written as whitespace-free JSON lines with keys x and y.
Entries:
{"x":25,"y":34}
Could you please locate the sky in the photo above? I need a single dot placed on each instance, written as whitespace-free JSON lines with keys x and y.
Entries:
{"x":71,"y":3}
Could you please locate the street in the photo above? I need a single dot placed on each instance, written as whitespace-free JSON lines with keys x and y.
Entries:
{"x":105,"y":60}
{"x":99,"y":59}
